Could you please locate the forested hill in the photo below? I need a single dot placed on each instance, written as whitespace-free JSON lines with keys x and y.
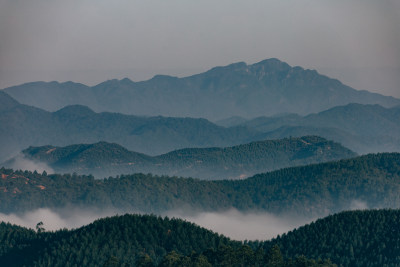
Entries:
{"x":123,"y":237}
{"x":312,"y":190}
{"x":23,"y":126}
{"x":350,"y":239}
{"x":369,"y":238}
{"x":105,"y":159}
{"x":264,"y":88}
{"x":134,"y":240}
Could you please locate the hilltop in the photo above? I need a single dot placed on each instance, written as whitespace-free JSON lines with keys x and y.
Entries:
{"x":106,"y":159}
{"x":134,"y":240}
{"x":312,"y":190}
{"x":353,"y":238}
{"x":367,"y":238}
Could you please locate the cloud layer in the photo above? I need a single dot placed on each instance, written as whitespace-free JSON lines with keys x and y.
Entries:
{"x":232,"y":223}
{"x":20,"y":162}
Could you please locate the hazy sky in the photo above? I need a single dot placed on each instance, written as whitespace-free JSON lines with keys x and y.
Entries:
{"x":89,"y":41}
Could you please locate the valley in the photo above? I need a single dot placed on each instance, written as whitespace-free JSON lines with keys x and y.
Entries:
{"x":278,"y":145}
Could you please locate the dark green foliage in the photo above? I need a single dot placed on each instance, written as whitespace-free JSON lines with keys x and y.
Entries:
{"x":308,"y":190}
{"x":116,"y":241}
{"x":112,"y":262}
{"x":353,"y":238}
{"x":134,"y":240}
{"x":239,"y":257}
{"x":144,"y":260}
{"x":105,"y":159}
{"x":368,"y":238}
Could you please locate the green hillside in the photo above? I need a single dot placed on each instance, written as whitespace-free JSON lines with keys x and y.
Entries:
{"x":354,"y":238}
{"x":134,"y":240}
{"x":312,"y":190}
{"x":124,"y":237}
{"x":104,"y":159}
{"x":369,"y":238}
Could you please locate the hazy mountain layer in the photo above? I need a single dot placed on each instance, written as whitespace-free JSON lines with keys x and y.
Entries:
{"x":362,"y":128}
{"x":105,"y":159}
{"x":265,"y":88}
{"x":24,"y":126}
{"x":371,"y":128}
{"x":314,"y":190}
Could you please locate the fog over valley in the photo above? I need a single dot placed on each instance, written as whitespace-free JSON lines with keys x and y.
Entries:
{"x":200,"y":133}
{"x":232,"y":223}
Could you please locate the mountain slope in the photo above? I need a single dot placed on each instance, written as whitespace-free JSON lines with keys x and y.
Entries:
{"x":367,"y":238}
{"x":125,"y":237}
{"x":355,"y":238}
{"x":24,"y":126}
{"x":134,"y":240}
{"x":264,"y":88}
{"x":105,"y":159}
{"x":362,"y":128}
{"x":313,"y":190}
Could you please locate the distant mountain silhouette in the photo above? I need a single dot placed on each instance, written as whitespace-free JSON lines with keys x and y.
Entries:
{"x":362,"y":128}
{"x":23,"y":126}
{"x":262,"y":89}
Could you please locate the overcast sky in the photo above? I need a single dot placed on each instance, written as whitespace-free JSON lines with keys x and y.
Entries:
{"x":89,"y":41}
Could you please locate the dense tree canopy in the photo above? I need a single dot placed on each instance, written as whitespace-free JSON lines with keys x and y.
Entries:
{"x":104,"y":159}
{"x":309,"y":190}
{"x":134,"y":240}
{"x":353,"y":238}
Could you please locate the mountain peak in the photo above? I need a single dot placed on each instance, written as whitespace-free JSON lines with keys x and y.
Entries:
{"x":127,"y":81}
{"x":75,"y":110}
{"x":231,"y":67}
{"x":272,"y":63}
{"x":268,"y":87}
{"x":161,"y":77}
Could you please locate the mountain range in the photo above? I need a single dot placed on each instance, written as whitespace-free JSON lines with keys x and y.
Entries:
{"x":262,"y":89}
{"x":106,"y":159}
{"x":362,"y":128}
{"x":24,"y":126}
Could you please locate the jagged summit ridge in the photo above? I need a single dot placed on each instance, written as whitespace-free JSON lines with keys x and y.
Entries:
{"x":262,"y":89}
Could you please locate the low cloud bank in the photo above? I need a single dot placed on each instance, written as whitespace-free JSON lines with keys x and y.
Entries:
{"x":232,"y":223}
{"x":20,"y":162}
{"x":357,"y":204}
{"x":52,"y":220}
{"x":242,"y":226}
